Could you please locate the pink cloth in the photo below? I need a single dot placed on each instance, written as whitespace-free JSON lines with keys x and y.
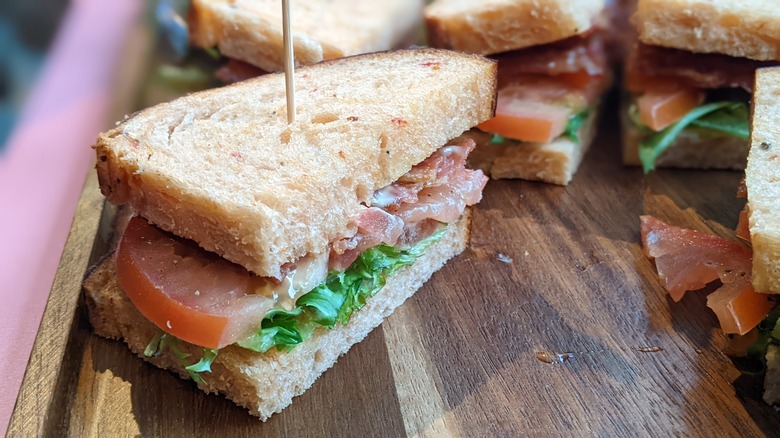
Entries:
{"x":43,"y":169}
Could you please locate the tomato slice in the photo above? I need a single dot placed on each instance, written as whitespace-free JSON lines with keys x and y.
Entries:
{"x":186,"y":291}
{"x":659,"y":109}
{"x":522,"y":117}
{"x":739,"y":307}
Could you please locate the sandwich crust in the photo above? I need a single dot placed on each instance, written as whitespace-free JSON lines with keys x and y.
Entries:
{"x":265,"y":383}
{"x":745,"y":28}
{"x":762,"y":179}
{"x":495,"y":26}
{"x":251,"y":31}
{"x":224,"y":168}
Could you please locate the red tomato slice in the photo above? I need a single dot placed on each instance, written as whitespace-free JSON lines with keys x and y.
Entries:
{"x":659,"y":109}
{"x":186,"y":291}
{"x":523,"y":117}
{"x":536,"y":108}
{"x":739,"y":307}
{"x":689,"y":260}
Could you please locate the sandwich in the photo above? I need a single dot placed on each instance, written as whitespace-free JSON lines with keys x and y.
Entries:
{"x":762,"y":183}
{"x":261,"y":251}
{"x":553,"y":71}
{"x":688,"y":79}
{"x":745,"y":302}
{"x":249,"y":33}
{"x":209,"y":43}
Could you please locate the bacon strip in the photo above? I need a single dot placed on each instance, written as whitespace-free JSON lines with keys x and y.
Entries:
{"x":436,"y":190}
{"x":579,"y":53}
{"x":697,"y":70}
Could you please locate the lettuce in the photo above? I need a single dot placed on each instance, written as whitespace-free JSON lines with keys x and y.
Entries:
{"x":496,"y":139}
{"x":575,"y":124}
{"x":336,"y":299}
{"x":729,"y":118}
{"x":164,"y":341}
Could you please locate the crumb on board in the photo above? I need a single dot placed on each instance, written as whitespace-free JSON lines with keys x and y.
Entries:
{"x":504,"y":258}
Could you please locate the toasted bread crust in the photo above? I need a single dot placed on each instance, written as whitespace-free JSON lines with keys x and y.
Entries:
{"x":495,"y":26}
{"x":251,"y":31}
{"x":762,"y":179}
{"x":265,"y":383}
{"x":747,"y":29}
{"x":224,"y":168}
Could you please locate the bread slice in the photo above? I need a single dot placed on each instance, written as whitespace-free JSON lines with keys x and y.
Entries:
{"x":495,"y":26}
{"x":251,"y":30}
{"x":744,"y":28}
{"x":553,"y":163}
{"x":692,"y":149}
{"x":224,"y":168}
{"x":265,"y":383}
{"x":762,"y":180}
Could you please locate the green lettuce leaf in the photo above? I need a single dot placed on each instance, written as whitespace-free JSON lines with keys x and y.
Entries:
{"x":575,"y":124}
{"x":336,"y":299}
{"x":733,"y":120}
{"x":163,"y":341}
{"x":496,"y":139}
{"x":707,"y":116}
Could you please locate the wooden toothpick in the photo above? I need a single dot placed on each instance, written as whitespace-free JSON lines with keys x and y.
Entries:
{"x":289,"y":62}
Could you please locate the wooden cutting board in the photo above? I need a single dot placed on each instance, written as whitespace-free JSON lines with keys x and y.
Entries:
{"x":549,"y":270}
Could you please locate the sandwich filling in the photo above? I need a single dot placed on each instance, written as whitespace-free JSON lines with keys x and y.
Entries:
{"x":201,"y":298}
{"x":547,"y":92}
{"x":674,"y":91}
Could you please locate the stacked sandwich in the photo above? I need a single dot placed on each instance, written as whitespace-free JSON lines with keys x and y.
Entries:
{"x":262,"y":250}
{"x":762,"y":179}
{"x":249,"y":33}
{"x":688,"y":80}
{"x":553,"y":70}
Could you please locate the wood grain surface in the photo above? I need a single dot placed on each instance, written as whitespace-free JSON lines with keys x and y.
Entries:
{"x":549,"y":269}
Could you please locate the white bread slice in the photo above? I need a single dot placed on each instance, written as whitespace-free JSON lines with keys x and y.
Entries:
{"x":741,"y":28}
{"x":762,"y":179}
{"x":251,"y":30}
{"x":553,"y":163}
{"x":494,"y":26}
{"x":265,"y":383}
{"x":691,"y":149}
{"x":224,"y":168}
